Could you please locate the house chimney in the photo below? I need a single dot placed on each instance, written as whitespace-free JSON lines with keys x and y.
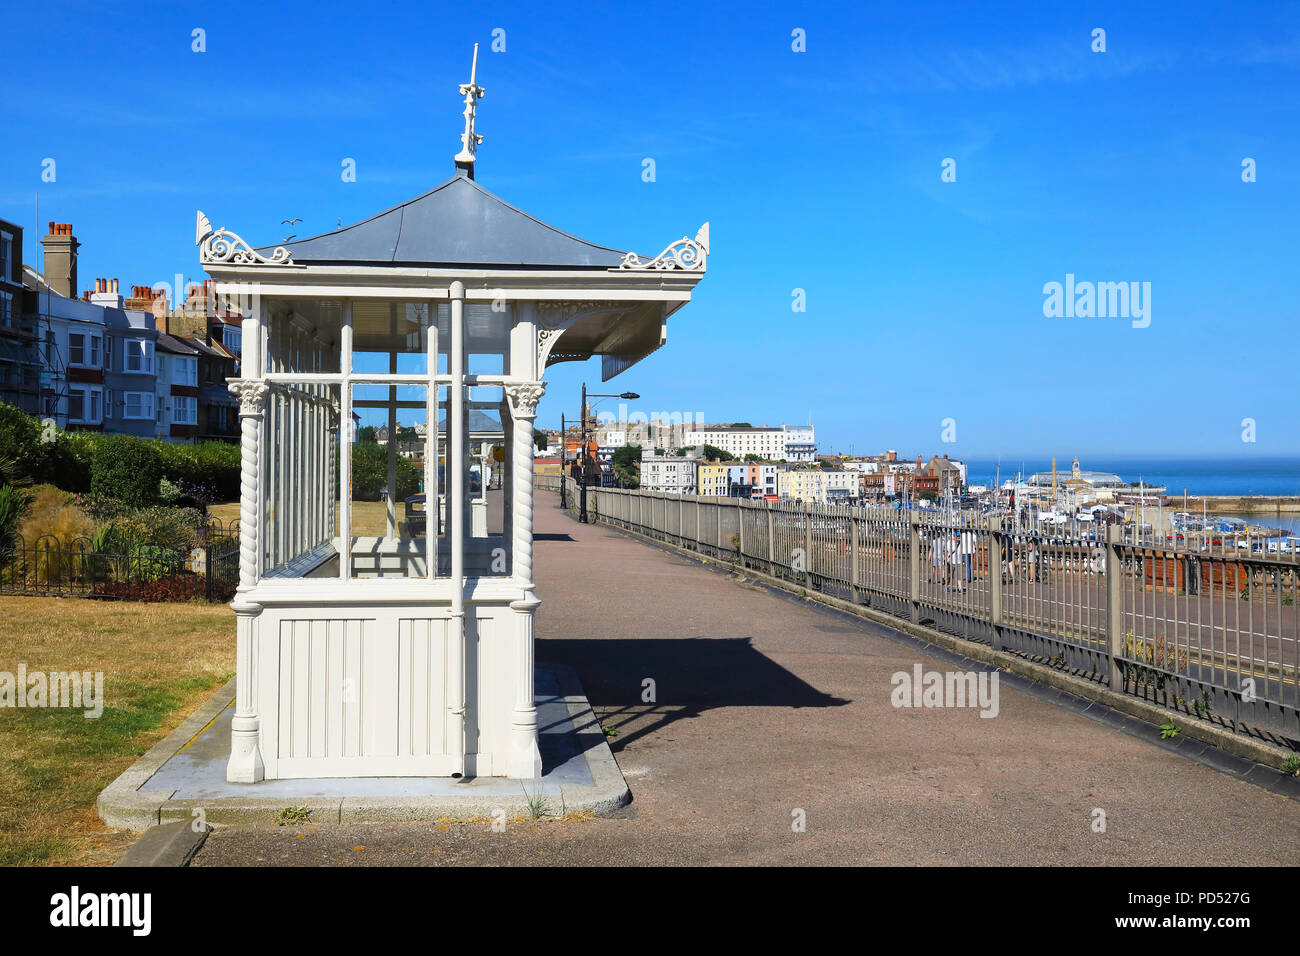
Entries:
{"x":61,"y":259}
{"x":106,"y":294}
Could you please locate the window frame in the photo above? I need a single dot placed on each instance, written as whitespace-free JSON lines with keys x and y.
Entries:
{"x":91,"y":398}
{"x":144,"y":357}
{"x":190,"y":404}
{"x":126,"y":406}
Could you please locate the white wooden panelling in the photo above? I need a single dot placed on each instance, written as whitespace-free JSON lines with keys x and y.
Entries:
{"x":363,"y":692}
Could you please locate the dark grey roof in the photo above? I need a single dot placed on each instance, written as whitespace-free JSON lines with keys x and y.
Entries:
{"x":455,"y":223}
{"x":169,"y":343}
{"x":478,"y":422}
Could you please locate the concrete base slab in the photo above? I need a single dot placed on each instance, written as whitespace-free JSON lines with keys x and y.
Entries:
{"x":173,"y":844}
{"x":183,"y":778}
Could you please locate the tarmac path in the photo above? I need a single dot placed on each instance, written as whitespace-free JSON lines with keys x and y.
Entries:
{"x":770,"y":710}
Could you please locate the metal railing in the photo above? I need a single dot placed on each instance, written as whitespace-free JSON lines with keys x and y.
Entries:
{"x":51,"y":567}
{"x":1208,"y":631}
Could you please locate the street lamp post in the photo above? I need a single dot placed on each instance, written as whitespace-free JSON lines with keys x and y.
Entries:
{"x":582,"y":449}
{"x":564,"y":498}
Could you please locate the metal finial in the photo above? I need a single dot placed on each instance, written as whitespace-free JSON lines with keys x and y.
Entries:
{"x":469,"y":140}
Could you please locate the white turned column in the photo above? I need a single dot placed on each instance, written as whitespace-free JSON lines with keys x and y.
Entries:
{"x":457,"y":512}
{"x":245,"y":764}
{"x":525,"y":758}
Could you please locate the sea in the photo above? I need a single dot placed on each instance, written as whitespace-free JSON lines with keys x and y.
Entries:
{"x":1196,"y":476}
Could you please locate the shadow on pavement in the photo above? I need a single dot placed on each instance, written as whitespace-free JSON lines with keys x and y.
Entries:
{"x":691,"y":675}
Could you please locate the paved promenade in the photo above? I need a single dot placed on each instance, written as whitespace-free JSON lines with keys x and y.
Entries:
{"x":767,"y":706}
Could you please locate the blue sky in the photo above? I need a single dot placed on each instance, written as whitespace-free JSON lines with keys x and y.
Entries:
{"x":818,"y":171}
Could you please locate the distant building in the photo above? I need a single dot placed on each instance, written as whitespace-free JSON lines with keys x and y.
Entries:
{"x":762,"y":479}
{"x":20,"y":361}
{"x":72,"y":337}
{"x":130,"y":366}
{"x":178,"y":389}
{"x":784,"y":443}
{"x":800,"y":443}
{"x":950,"y":472}
{"x":766,"y":443}
{"x":668,"y":473}
{"x":712,"y":479}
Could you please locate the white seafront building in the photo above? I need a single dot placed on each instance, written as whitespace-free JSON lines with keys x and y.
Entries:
{"x":788,"y":442}
{"x":668,"y":473}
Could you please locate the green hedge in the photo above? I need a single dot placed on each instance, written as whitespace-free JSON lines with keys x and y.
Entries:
{"x":213,"y":465}
{"x":127,"y":469}
{"x":75,"y":462}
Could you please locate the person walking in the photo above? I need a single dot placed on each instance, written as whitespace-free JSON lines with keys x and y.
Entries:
{"x":954,"y":563}
{"x":967,"y":548}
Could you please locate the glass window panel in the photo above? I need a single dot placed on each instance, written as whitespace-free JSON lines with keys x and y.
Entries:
{"x":390,"y":336}
{"x":302,"y":335}
{"x":389,"y":519}
{"x":300,"y":468}
{"x":486,"y":330}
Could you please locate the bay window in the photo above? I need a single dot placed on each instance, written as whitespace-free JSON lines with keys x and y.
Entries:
{"x":138,"y":356}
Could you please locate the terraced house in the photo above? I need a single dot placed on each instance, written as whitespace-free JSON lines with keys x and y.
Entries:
{"x":20,"y":365}
{"x":712,"y":479}
{"x":103,"y":362}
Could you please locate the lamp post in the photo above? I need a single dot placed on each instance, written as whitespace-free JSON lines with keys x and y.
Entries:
{"x":564,"y":440}
{"x":582,"y":447}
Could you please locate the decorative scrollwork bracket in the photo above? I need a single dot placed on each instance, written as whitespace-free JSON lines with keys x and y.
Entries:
{"x":223,"y":247}
{"x":687,"y":254}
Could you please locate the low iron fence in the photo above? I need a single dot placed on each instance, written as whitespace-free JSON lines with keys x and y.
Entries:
{"x":49,"y":566}
{"x":1211,"y":633}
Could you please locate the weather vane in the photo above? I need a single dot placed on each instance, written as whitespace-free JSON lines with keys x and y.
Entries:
{"x":469,"y":139}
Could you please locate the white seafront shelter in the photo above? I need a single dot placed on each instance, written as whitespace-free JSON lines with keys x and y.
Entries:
{"x":405,"y":648}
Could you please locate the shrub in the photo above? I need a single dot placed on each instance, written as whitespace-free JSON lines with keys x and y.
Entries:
{"x":370,"y":473}
{"x":169,"y":493}
{"x":20,"y":445}
{"x":126,"y":468}
{"x":171,"y":529}
{"x":180,"y":586}
{"x":206,"y":472}
{"x":55,"y":513}
{"x":13,"y":505}
{"x":68,"y":462}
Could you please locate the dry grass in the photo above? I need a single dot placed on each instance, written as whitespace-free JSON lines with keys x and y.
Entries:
{"x":160,"y":661}
{"x":368,"y":517}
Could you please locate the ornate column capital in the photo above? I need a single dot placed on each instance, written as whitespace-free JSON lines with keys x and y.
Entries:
{"x":251,"y":394}
{"x":523,"y":399}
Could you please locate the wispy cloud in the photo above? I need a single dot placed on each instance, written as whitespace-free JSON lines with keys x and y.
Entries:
{"x":950,"y":69}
